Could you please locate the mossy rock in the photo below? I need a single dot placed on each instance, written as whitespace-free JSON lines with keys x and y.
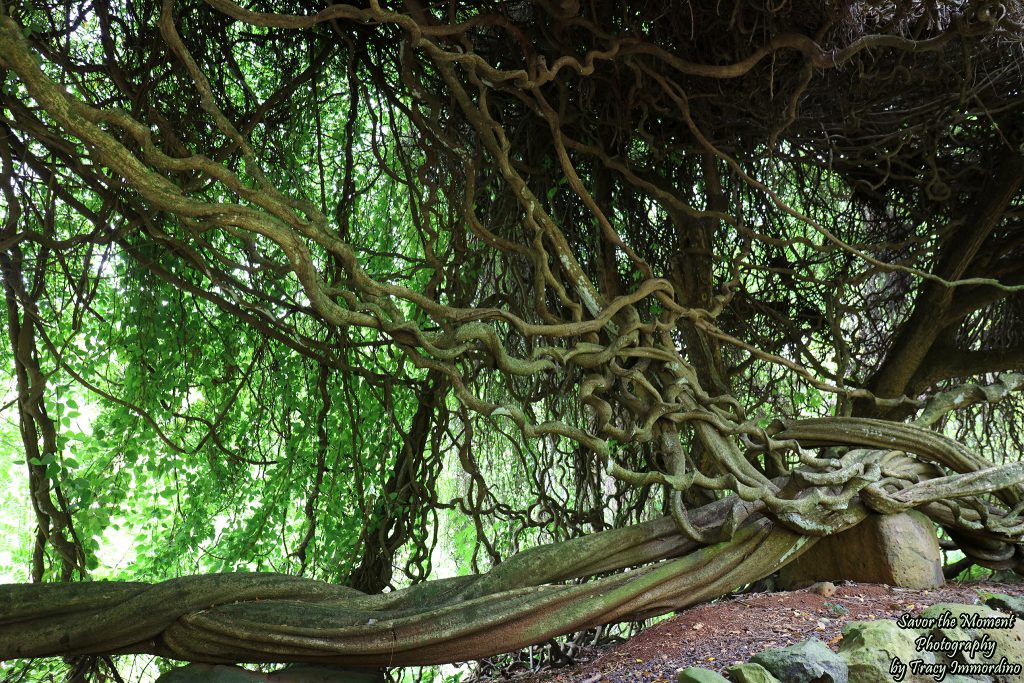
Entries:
{"x":869,"y":648}
{"x":804,"y":662}
{"x":1009,"y":641}
{"x":750,"y":673}
{"x":697,"y":675}
{"x":1003,"y":603}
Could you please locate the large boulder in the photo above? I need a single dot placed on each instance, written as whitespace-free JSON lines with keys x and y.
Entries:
{"x":808,"y":662}
{"x":898,"y":550}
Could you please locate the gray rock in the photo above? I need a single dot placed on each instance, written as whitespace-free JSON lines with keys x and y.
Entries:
{"x":751,"y":673}
{"x":869,"y":648}
{"x":806,"y":662}
{"x":697,"y":675}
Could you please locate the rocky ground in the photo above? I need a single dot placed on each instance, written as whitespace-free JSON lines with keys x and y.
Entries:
{"x":732,"y":630}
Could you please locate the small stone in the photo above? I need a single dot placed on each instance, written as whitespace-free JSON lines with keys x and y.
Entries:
{"x":836,"y":608}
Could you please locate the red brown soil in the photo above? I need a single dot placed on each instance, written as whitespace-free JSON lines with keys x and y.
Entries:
{"x":732,"y":630}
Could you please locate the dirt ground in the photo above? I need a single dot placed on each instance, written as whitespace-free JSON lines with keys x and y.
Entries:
{"x":732,"y":630}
